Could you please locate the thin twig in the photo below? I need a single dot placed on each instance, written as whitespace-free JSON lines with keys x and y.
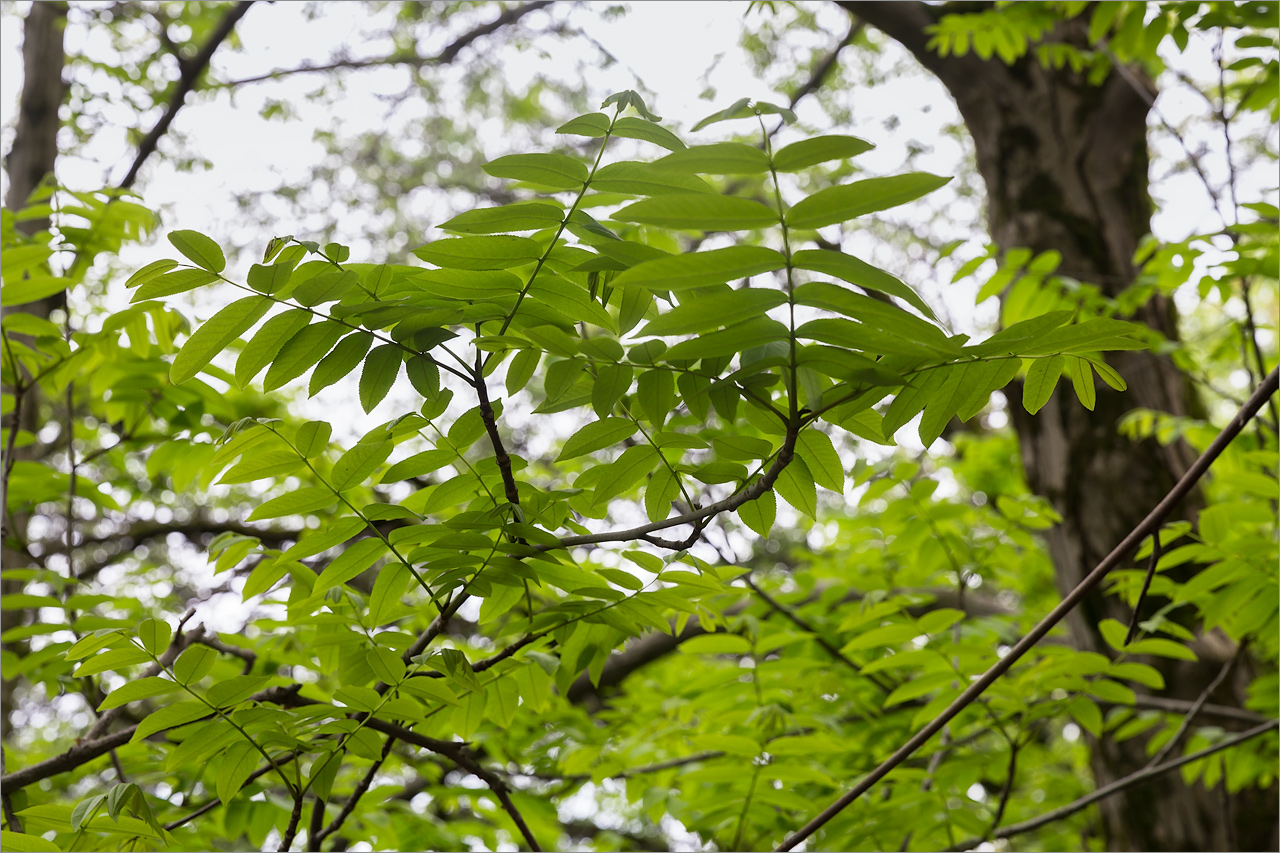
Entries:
{"x":445,"y":56}
{"x":360,"y":790}
{"x":1146,"y":585}
{"x":1117,"y":786}
{"x":1007,"y":789}
{"x":1190,"y":716}
{"x":1153,"y":520}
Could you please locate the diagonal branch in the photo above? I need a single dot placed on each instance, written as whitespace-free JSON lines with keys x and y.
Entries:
{"x":1144,"y":529}
{"x":191,"y":72}
{"x":1117,"y":786}
{"x":412,"y":60}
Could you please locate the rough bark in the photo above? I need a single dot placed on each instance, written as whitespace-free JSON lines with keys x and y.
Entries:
{"x":1065,"y":167}
{"x":29,"y":161}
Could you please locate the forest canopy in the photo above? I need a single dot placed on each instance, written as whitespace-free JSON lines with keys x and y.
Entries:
{"x":540,"y":472}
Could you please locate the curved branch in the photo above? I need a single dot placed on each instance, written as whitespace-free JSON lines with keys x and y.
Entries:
{"x":412,"y":60}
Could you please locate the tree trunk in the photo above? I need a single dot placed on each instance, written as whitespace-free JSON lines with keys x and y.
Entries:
{"x":1065,"y":167}
{"x":29,"y":161}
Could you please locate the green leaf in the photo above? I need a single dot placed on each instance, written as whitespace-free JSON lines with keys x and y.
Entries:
{"x":1042,"y":378}
{"x":495,"y":252}
{"x":1161,"y":647}
{"x":820,"y":457}
{"x":267,"y":342}
{"x":419,"y":464}
{"x":705,"y":312}
{"x":738,"y":109}
{"x":521,"y":369}
{"x":702,"y":212}
{"x":818,"y":149}
{"x":140,"y":688}
{"x":37,"y":287}
{"x":337,"y":364}
{"x":194,"y":664}
{"x":199,"y":249}
{"x":1094,"y":334}
{"x":760,"y":513}
{"x":635,"y":178}
{"x":1081,"y":373}
{"x":548,"y":170}
{"x":301,"y":351}
{"x":386,"y":665}
{"x":234,"y":769}
{"x":630,"y":127}
{"x":269,"y":279}
{"x":879,"y":317}
{"x":169,"y":284}
{"x":380,"y":371}
{"x":19,"y":842}
{"x":596,"y":436}
{"x":795,"y":485}
{"x":314,"y":543}
{"x":656,"y":393}
{"x":212,"y":337}
{"x":839,"y":204}
{"x":296,"y":502}
{"x":355,"y":559}
{"x":113,"y":659}
{"x":718,"y":158}
{"x":663,"y":488}
{"x":630,"y":98}
{"x":729,"y":341}
{"x":624,"y":473}
{"x":390,"y":585}
{"x":1020,"y":335}
{"x":524,"y":216}
{"x":235,"y":690}
{"x":312,"y":438}
{"x":699,"y":269}
{"x":611,"y":382}
{"x":155,"y":635}
{"x":854,"y":271}
{"x":170,"y":716}
{"x":326,"y":286}
{"x":591,"y":124}
{"x":358,"y":463}
{"x":865,"y":337}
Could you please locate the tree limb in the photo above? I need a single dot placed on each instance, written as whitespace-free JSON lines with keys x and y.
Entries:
{"x":412,"y":60}
{"x":1117,"y":786}
{"x":190,"y":75}
{"x":1152,"y":522}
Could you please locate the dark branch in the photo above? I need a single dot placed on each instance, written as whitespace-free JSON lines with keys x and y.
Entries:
{"x":411,"y":60}
{"x":1144,"y":529}
{"x":1117,"y":786}
{"x":190,"y":75}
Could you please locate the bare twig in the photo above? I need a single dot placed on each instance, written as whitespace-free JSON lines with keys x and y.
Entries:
{"x":444,"y":57}
{"x":1010,"y":774}
{"x":190,"y":75}
{"x":1190,"y":716}
{"x":362,"y":787}
{"x":750,"y":493}
{"x":1153,"y":520}
{"x":1146,"y":585}
{"x":1117,"y":786}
